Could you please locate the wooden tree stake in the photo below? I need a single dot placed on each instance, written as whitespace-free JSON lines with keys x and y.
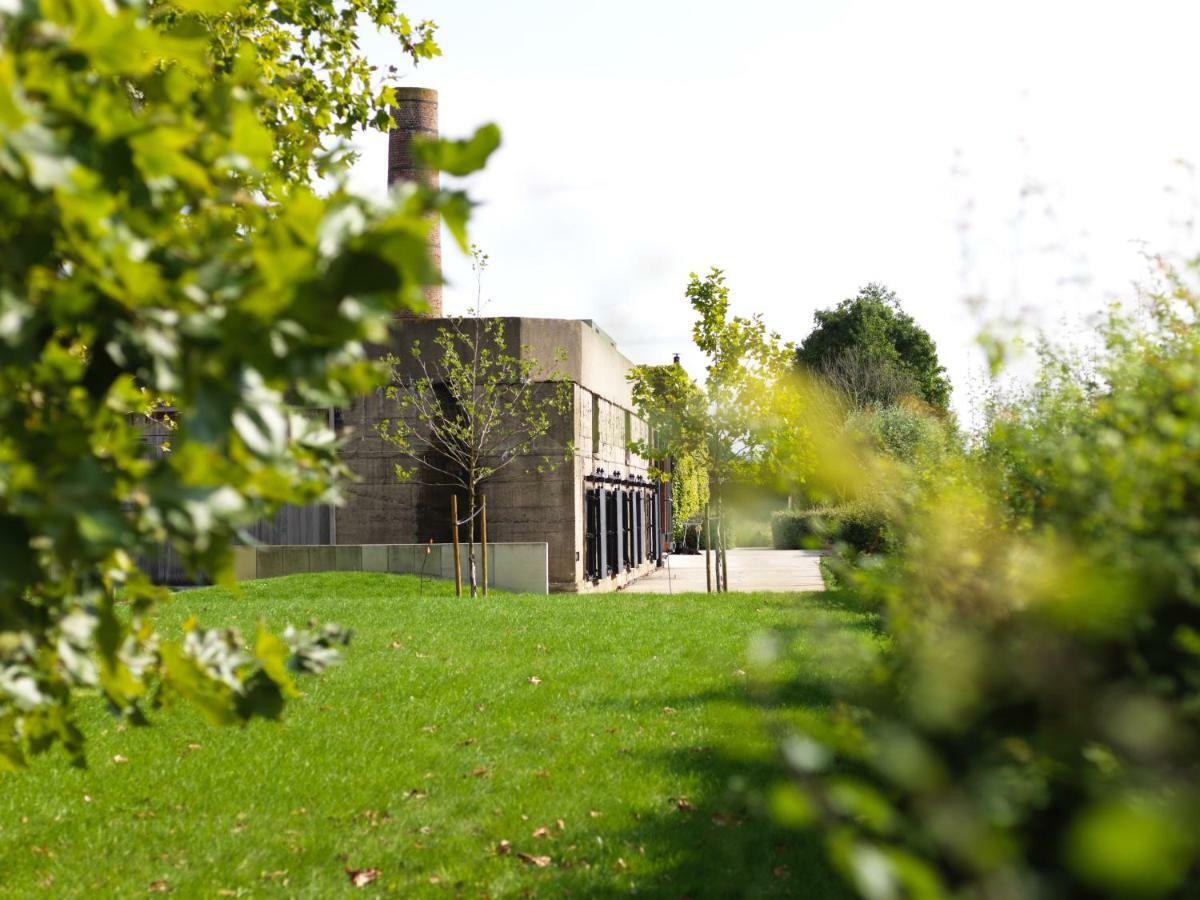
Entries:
{"x":483,"y":538}
{"x":457,"y":552}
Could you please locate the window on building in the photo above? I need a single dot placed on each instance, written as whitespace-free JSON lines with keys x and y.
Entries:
{"x":594,"y":535}
{"x":595,"y":425}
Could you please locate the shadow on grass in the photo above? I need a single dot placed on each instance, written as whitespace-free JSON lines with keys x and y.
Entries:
{"x":721,"y":839}
{"x":841,"y":600}
{"x":718,"y":842}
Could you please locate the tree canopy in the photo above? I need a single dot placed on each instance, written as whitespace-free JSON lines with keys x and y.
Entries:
{"x":874,"y":352}
{"x":166,"y":253}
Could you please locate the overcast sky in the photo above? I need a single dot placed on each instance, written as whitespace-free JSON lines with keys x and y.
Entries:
{"x":1022,"y":152}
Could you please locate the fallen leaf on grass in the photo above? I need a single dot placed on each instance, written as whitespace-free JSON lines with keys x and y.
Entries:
{"x":362,"y":877}
{"x":562,"y":826}
{"x":396,"y":645}
{"x":533,"y":679}
{"x":118,"y":759}
{"x":415,"y":794}
{"x":595,"y":815}
{"x":683,"y":804}
{"x":159,"y":887}
{"x":621,"y":864}
{"x":781,"y":871}
{"x":540,"y":861}
{"x":504,"y":848}
{"x":669,"y":710}
{"x":541,"y":832}
{"x":480,"y":772}
{"x":739,"y":673}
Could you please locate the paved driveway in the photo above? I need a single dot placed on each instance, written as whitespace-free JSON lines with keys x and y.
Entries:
{"x":750,"y":569}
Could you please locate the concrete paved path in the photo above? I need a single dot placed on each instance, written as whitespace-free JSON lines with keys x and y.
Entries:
{"x":750,"y":569}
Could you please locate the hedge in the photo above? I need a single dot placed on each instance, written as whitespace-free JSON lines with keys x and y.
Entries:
{"x":864,"y":530}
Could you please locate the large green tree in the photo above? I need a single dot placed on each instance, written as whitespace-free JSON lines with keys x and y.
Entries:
{"x":874,"y":353}
{"x":166,"y":252}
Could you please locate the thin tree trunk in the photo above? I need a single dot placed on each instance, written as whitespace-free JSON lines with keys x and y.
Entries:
{"x":722,"y":559}
{"x":720,"y":556}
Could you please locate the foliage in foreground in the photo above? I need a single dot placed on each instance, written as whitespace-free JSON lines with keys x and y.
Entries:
{"x":165,"y":252}
{"x":1035,"y":731}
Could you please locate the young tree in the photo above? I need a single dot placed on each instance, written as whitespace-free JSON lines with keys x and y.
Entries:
{"x":872,"y":350}
{"x":743,"y":422}
{"x":163,"y":241}
{"x":474,"y":408}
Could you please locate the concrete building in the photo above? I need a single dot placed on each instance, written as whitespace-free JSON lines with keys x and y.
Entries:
{"x":597,"y":511}
{"x":602,"y":518}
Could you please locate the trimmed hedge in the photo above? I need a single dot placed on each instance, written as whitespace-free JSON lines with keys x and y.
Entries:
{"x":864,"y":530}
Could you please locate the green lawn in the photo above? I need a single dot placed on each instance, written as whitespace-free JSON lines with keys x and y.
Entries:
{"x":627,"y":738}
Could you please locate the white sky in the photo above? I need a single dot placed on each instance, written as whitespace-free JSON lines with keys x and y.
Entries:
{"x":1024,"y":152}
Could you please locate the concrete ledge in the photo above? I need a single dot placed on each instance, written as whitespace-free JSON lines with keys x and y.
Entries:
{"x":522,"y":567}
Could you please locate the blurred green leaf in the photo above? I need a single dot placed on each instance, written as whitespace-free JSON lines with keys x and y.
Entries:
{"x":461,"y":157}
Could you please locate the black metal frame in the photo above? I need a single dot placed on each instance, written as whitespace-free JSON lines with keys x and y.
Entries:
{"x":621,"y":530}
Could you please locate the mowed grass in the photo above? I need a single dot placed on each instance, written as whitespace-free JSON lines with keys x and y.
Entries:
{"x":631,"y":740}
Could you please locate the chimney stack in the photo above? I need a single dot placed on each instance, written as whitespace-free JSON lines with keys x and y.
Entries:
{"x":416,"y":113}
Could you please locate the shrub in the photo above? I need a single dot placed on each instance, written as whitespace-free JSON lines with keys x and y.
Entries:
{"x":902,"y":432}
{"x":1034,"y":727}
{"x":856,"y":527}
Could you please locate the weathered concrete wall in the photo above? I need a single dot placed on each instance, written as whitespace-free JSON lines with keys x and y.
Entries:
{"x":519,"y":567}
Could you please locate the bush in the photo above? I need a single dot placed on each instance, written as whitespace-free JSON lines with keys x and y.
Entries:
{"x":856,"y":527}
{"x":1033,"y":729}
{"x":902,"y":432}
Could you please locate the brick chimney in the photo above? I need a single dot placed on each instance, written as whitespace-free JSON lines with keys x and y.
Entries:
{"x":416,"y":113}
